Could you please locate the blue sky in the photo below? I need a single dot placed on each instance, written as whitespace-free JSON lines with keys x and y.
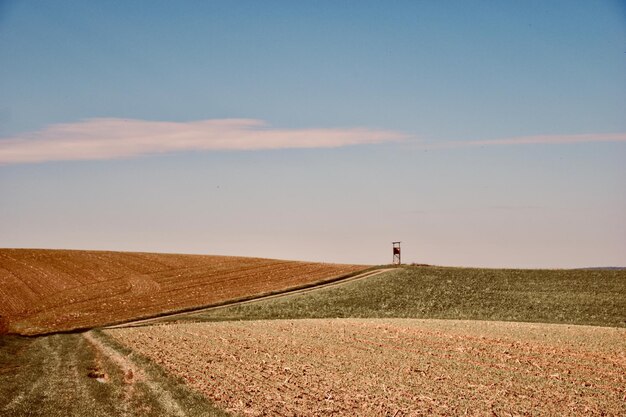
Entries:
{"x":487,"y":133}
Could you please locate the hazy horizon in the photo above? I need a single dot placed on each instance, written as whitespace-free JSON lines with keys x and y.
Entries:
{"x":488,"y":134}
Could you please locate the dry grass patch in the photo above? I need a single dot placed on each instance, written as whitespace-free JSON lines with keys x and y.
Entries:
{"x":397,"y":367}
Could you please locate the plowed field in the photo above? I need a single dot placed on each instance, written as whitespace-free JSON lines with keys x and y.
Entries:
{"x":393,"y":367}
{"x":43,"y":291}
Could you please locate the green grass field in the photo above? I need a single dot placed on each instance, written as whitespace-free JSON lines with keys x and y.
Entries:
{"x":593,"y":297}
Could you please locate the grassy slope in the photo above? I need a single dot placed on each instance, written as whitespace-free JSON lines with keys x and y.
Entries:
{"x":48,"y":376}
{"x":594,"y":297}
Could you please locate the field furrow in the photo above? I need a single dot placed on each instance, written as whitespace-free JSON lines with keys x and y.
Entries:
{"x":43,"y":291}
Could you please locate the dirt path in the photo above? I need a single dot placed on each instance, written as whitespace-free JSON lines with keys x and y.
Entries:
{"x":313,"y":287}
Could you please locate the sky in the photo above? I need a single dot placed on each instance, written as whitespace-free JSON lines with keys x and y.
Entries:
{"x":483,"y":133}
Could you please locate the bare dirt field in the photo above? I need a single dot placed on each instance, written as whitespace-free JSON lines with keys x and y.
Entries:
{"x":43,"y":291}
{"x":393,"y":367}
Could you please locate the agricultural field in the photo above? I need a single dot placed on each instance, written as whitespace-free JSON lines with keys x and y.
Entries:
{"x":594,"y":297}
{"x":393,"y":367}
{"x":45,"y":291}
{"x":410,"y":341}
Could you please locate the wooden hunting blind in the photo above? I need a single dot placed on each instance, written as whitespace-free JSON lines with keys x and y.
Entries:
{"x":396,"y":253}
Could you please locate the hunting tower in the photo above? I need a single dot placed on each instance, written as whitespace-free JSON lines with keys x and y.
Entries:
{"x":396,"y":253}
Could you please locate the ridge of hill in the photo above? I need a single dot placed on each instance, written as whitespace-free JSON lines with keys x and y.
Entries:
{"x":46,"y":290}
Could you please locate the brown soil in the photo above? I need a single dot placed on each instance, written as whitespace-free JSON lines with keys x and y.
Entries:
{"x":395,"y":367}
{"x":44,"y":291}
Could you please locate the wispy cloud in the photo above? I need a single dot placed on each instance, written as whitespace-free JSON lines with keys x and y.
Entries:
{"x":527,"y":140}
{"x":109,"y":138}
{"x":552,"y":139}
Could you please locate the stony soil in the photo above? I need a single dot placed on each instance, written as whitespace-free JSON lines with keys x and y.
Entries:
{"x":393,"y":367}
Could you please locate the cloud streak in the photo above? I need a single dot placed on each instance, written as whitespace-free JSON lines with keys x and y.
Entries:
{"x":528,"y":140}
{"x":552,"y":139}
{"x":110,"y":138}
